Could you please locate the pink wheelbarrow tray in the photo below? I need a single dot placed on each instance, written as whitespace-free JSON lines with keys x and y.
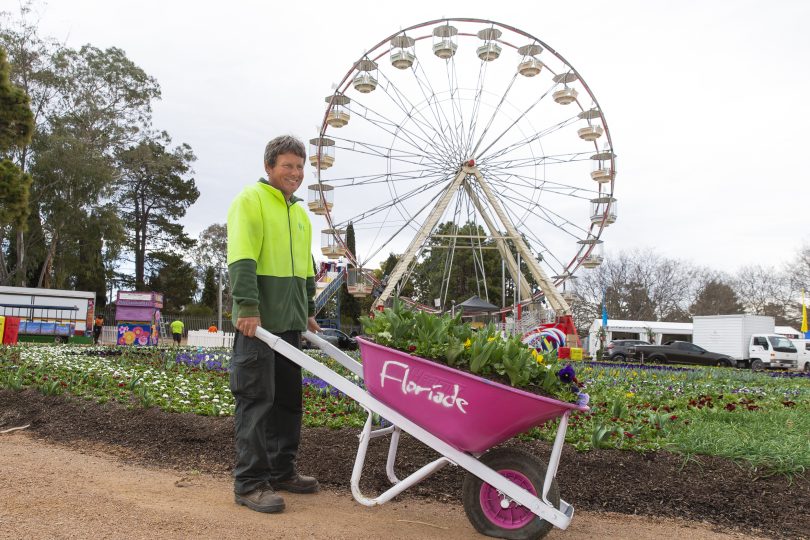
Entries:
{"x":507,"y":493}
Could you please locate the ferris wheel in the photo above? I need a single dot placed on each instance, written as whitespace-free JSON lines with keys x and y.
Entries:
{"x":464,"y":133}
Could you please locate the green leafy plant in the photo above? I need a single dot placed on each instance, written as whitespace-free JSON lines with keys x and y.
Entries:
{"x":145,"y":397}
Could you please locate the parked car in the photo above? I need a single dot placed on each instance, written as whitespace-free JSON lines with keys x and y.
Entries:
{"x":334,"y":336}
{"x":682,"y":352}
{"x":619,"y":349}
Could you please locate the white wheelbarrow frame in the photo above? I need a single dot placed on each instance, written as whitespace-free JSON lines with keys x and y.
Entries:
{"x":540,"y":506}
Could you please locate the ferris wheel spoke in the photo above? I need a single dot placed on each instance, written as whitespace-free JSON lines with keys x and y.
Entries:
{"x":369,"y":152}
{"x":504,"y":178}
{"x":525,"y":141}
{"x":413,"y":139}
{"x":518,"y":118}
{"x":539,"y":248}
{"x":404,"y":104}
{"x":396,"y":200}
{"x":479,"y":90}
{"x":532,"y":161}
{"x":408,"y":223}
{"x":527,"y":230}
{"x":545,"y":214}
{"x":494,"y":114}
{"x":425,"y":86}
{"x":450,"y":256}
{"x":530,"y":206}
{"x":380,"y":178}
{"x":361,"y":147}
{"x":455,"y":100}
{"x":544,"y":250}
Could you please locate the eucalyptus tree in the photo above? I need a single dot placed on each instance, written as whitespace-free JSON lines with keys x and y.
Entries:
{"x":88,"y":104}
{"x":155,"y":190}
{"x":16,"y":128}
{"x":716,"y":298}
{"x":172,"y":275}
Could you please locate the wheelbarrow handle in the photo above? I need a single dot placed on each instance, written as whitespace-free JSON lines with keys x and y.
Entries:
{"x":333,"y":352}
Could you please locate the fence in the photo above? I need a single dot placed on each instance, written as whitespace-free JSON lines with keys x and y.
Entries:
{"x":204,"y":338}
{"x":196,"y":338}
{"x":191,"y":322}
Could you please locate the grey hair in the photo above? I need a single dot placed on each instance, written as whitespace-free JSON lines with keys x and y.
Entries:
{"x":286,"y":144}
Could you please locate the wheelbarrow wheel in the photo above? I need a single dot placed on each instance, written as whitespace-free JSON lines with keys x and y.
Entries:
{"x":492,"y":513}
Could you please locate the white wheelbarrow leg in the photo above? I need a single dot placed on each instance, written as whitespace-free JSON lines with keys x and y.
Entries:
{"x":399,"y":486}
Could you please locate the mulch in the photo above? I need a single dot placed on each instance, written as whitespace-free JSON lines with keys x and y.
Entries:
{"x":708,"y":489}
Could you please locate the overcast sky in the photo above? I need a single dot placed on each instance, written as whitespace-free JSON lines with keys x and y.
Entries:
{"x":708,"y":102}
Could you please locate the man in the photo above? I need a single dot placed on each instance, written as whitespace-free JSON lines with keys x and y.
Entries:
{"x":273,"y":286}
{"x":98,"y":326}
{"x":177,"y":330}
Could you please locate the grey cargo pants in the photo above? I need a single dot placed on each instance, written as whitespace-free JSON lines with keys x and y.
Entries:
{"x":267,"y":390}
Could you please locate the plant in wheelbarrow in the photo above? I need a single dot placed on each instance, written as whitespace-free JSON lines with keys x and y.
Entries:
{"x":486,"y":352}
{"x":475,"y":390}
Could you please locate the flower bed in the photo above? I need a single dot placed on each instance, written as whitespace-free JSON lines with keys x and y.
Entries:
{"x":739,"y":414}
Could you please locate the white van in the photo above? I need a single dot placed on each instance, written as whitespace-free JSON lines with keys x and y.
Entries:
{"x":803,"y":348}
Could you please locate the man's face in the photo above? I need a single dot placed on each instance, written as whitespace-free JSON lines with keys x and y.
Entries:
{"x":287,"y":174}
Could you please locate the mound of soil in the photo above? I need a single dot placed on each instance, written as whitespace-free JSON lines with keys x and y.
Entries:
{"x":709,"y":489}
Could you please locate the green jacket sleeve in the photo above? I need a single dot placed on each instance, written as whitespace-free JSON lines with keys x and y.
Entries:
{"x":311,"y":296}
{"x":244,"y":287}
{"x":245,"y":235}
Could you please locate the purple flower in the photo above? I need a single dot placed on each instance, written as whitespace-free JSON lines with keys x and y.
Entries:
{"x":566,"y":374}
{"x":583,"y":399}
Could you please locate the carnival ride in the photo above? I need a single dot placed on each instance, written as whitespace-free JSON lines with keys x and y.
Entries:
{"x":465,"y":121}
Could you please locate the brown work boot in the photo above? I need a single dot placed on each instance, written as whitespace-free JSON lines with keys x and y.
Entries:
{"x":261,"y":499}
{"x":297,"y":483}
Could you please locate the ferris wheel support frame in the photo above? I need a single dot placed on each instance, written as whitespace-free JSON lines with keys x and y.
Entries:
{"x":511,"y":263}
{"x":556,"y":300}
{"x":431,"y":221}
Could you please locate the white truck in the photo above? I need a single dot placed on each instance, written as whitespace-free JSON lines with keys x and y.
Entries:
{"x":749,"y":339}
{"x":803,"y":351}
{"x":48,"y":315}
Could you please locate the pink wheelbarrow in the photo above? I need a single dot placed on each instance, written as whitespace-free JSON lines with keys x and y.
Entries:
{"x":507,"y":493}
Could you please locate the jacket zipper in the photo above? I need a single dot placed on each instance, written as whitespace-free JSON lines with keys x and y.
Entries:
{"x":289,"y":230}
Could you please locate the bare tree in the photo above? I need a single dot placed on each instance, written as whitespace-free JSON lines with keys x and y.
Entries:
{"x":758,"y":286}
{"x":637,"y":285}
{"x":211,"y":251}
{"x":798,"y":273}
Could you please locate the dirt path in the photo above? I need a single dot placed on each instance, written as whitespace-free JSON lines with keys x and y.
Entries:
{"x":50,"y":491}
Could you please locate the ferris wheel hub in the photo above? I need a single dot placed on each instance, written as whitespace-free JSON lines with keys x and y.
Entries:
{"x":470,"y":163}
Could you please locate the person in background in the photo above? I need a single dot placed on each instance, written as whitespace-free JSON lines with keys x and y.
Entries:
{"x":212,"y":328}
{"x":98,"y":326}
{"x":273,"y":286}
{"x":177,"y":327}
